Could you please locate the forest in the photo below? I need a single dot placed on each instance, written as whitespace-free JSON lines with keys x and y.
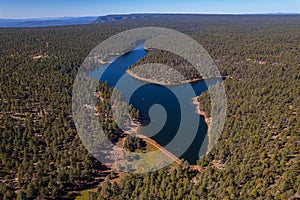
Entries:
{"x":153,"y":72}
{"x":256,"y":157}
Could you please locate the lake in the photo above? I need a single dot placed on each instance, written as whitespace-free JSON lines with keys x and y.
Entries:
{"x":163,"y":126}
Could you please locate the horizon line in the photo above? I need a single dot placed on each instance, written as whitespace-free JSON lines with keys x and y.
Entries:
{"x":159,"y":13}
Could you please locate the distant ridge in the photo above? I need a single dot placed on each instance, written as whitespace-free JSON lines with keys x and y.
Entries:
{"x":65,"y":21}
{"x":121,"y":17}
{"x":40,"y":22}
{"x":110,"y":18}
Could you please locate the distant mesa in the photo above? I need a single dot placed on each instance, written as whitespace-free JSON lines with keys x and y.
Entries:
{"x":111,"y":18}
{"x":67,"y":21}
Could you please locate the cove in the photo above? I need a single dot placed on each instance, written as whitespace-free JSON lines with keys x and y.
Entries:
{"x":164,"y":120}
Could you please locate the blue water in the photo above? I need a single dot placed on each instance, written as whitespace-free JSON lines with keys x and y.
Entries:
{"x":166,"y":125}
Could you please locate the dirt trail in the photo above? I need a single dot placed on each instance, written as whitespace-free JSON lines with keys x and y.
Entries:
{"x":162,"y":149}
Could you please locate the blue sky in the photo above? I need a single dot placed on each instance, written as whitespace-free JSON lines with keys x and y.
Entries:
{"x":59,"y":8}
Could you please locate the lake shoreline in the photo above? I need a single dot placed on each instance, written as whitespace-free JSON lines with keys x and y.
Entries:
{"x":133,"y":75}
{"x":133,"y":129}
{"x":208,"y":120}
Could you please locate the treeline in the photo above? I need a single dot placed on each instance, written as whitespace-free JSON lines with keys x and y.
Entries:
{"x":257,"y":155}
{"x":133,"y":143}
{"x":41,"y":153}
{"x":181,"y":70}
{"x":168,"y":183}
{"x":107,"y":117}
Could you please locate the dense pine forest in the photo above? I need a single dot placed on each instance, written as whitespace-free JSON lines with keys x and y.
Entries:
{"x":156,"y":72}
{"x":256,"y":157}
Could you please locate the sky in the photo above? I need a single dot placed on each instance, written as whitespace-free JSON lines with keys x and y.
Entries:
{"x":16,"y":9}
